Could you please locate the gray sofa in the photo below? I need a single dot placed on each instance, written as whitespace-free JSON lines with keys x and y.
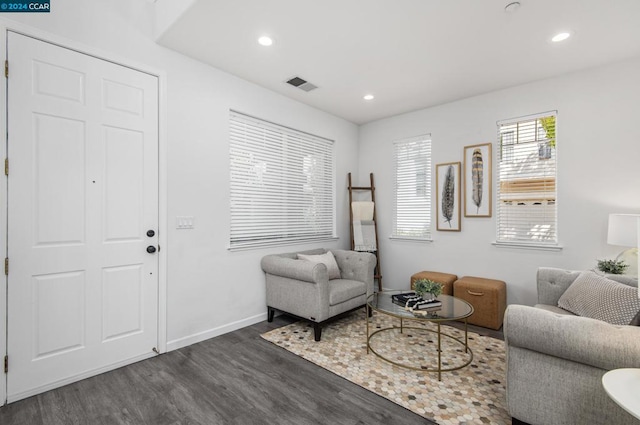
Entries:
{"x":555,"y":360}
{"x":302,"y":288}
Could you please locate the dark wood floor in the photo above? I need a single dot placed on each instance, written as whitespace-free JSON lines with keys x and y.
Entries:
{"x":237,"y":378}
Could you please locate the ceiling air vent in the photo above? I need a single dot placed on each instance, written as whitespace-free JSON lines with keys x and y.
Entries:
{"x":301,"y":84}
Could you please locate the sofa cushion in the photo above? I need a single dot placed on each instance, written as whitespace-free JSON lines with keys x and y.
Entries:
{"x":327,"y":259}
{"x":341,"y":290}
{"x":597,"y":297}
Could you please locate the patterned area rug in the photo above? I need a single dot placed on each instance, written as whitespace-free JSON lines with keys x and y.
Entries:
{"x":474,"y":394}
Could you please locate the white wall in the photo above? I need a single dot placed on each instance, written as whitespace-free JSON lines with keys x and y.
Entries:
{"x":205,"y":280}
{"x":598,"y":150}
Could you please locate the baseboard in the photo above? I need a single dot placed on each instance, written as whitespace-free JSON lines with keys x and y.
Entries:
{"x":211,"y":333}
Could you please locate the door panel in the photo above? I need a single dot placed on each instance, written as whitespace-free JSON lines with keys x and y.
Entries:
{"x":83,"y":191}
{"x":124,"y":181}
{"x":58,"y":82}
{"x":59,"y":223}
{"x":59,"y":324}
{"x":122,"y":306}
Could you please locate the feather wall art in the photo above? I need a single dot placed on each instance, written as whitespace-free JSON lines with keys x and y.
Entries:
{"x":448,"y":187}
{"x":477,"y":180}
{"x":448,"y":195}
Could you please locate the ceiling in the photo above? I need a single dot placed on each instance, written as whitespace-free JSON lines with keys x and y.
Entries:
{"x":410,"y":54}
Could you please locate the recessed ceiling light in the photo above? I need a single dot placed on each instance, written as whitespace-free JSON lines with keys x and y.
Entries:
{"x":368,"y":97}
{"x":560,"y":37}
{"x":265,"y":41}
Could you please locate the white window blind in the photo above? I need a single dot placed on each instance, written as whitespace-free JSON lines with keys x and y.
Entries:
{"x":527,"y":207}
{"x":413,"y":188}
{"x":282,"y":184}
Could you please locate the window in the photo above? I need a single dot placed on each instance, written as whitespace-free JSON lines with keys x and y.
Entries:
{"x":282,"y":184}
{"x":413,"y":188}
{"x":527,"y":212}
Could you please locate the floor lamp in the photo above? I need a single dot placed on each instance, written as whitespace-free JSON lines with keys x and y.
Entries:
{"x":623,"y":231}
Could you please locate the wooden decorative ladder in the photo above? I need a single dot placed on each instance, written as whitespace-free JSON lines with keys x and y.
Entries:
{"x":372,"y":190}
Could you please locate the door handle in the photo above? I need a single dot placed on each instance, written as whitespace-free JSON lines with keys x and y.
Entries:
{"x":151,"y":249}
{"x":151,"y":233}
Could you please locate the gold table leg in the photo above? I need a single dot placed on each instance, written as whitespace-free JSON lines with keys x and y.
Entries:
{"x":466,"y":343}
{"x":439,"y":355}
{"x":366,"y":319}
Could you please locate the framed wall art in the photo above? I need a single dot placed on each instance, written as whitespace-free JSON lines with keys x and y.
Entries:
{"x":477,"y":180}
{"x":448,"y":196}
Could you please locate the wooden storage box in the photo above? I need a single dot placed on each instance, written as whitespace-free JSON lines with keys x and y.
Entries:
{"x":445,"y":278}
{"x":488,"y":298}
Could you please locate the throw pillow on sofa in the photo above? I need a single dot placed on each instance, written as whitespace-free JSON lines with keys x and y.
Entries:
{"x":597,"y":297}
{"x":327,"y":259}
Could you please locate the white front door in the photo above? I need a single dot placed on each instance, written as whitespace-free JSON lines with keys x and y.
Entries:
{"x":83,"y":203}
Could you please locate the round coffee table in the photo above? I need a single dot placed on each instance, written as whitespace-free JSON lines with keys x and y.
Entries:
{"x":452,"y":308}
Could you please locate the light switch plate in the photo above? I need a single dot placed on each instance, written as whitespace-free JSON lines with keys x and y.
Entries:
{"x":184,"y":222}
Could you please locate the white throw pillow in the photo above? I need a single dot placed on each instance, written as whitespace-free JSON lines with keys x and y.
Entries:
{"x":595,"y":296}
{"x":327,"y":259}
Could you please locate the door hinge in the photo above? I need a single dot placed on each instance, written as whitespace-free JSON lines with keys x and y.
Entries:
{"x":6,"y":68}
{"x":6,"y":364}
{"x":6,"y":266}
{"x":6,"y":166}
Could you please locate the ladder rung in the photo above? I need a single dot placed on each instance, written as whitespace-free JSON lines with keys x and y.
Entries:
{"x":361,"y":188}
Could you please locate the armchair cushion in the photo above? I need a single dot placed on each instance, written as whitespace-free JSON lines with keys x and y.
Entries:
{"x":327,"y":259}
{"x":594,"y":296}
{"x":341,"y":290}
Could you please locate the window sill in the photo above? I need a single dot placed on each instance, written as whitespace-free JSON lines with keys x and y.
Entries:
{"x":408,"y":239}
{"x":266,"y":245}
{"x":533,"y":246}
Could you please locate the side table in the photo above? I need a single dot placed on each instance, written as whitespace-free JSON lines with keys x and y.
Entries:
{"x":623,"y":386}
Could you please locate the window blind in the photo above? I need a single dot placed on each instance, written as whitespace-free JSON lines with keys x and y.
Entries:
{"x":527,"y":207}
{"x":282,"y":184}
{"x":413,"y":188}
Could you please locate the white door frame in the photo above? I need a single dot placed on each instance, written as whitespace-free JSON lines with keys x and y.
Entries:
{"x":6,"y":26}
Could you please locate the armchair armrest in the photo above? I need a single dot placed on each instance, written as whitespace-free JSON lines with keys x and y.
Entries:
{"x":295,"y":269}
{"x":580,"y":339}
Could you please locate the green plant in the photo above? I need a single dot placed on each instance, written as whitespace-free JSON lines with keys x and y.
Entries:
{"x":612,"y":266}
{"x":549,"y":125}
{"x":427,"y":286}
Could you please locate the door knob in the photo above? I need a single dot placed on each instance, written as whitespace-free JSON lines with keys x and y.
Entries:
{"x":151,"y":249}
{"x":151,"y":233}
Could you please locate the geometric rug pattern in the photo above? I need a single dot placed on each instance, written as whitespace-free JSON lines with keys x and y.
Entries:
{"x":474,"y":394}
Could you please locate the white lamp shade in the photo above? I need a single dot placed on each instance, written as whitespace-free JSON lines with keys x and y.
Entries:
{"x":623,"y":230}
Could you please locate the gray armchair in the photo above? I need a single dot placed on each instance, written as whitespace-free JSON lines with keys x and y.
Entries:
{"x":555,"y":360}
{"x":303,"y":289}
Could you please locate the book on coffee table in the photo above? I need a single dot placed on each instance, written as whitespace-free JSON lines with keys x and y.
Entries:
{"x":403,"y":297}
{"x":414,"y":301}
{"x":426,"y":305}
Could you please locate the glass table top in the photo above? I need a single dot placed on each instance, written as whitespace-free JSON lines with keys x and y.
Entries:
{"x":452,"y":308}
